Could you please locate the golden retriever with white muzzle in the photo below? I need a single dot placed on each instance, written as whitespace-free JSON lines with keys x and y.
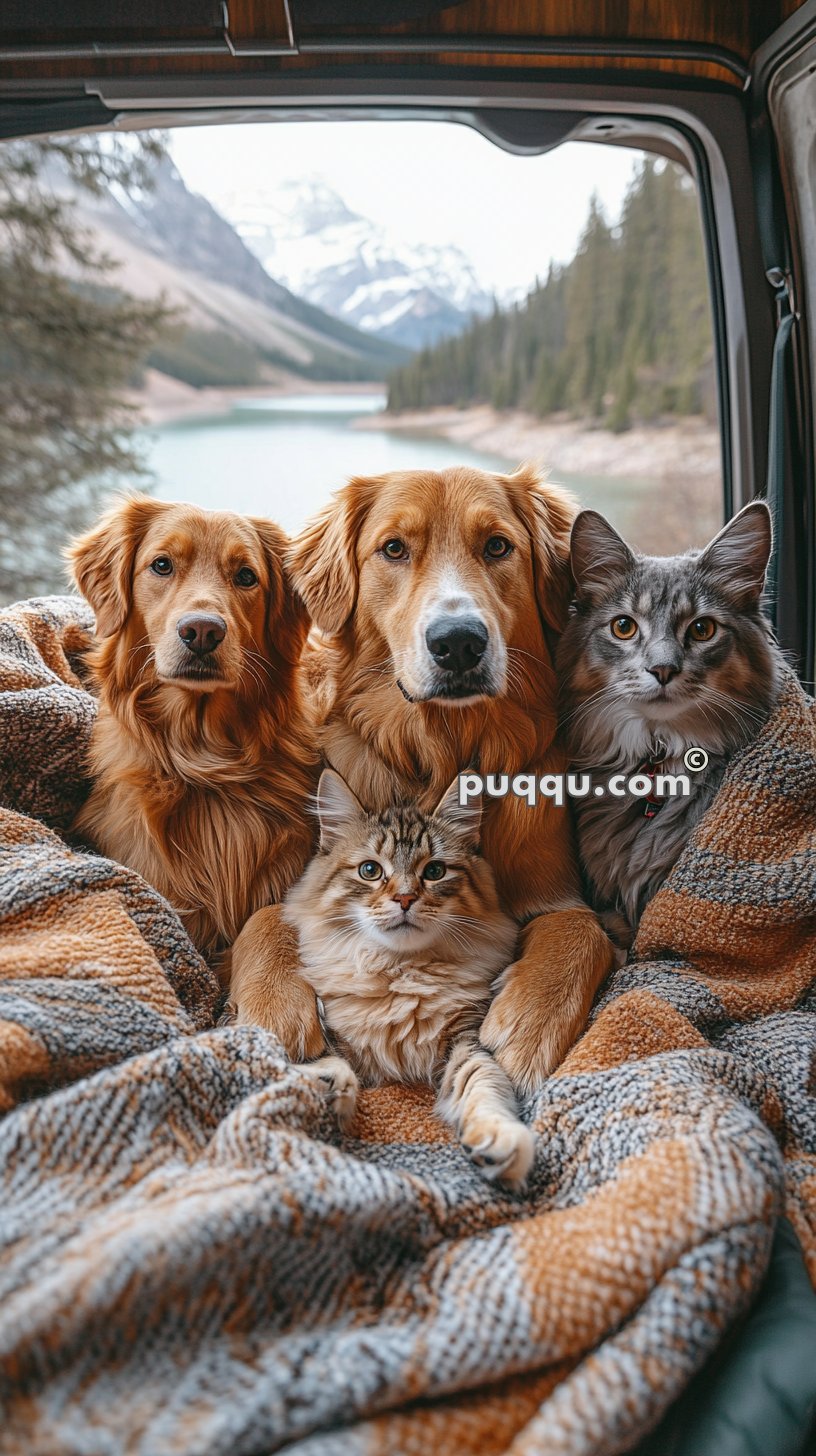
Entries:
{"x":436,"y":593}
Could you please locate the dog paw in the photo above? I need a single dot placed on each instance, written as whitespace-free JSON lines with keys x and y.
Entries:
{"x":528,"y":1037}
{"x":502,"y":1149}
{"x":526,"y":1043}
{"x":339,"y":1085}
{"x":290,"y":1012}
{"x":543,"y":1000}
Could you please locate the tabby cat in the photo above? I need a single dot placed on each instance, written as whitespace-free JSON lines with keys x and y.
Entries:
{"x":660,"y":655}
{"x":402,"y":938}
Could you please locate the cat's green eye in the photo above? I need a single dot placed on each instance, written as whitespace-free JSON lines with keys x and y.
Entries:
{"x":435,"y":869}
{"x":703,"y":629}
{"x":624,"y":628}
{"x":370,"y":870}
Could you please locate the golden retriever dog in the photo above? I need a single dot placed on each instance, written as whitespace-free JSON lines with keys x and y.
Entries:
{"x":202,"y":756}
{"x":437,"y":594}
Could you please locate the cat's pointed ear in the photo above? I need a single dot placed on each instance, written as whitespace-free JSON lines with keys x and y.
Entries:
{"x":337,"y":807}
{"x":737,"y":558}
{"x":463,"y":819}
{"x":598,"y":554}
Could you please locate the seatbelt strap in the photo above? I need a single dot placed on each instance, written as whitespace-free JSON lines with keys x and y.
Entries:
{"x":782,"y":284}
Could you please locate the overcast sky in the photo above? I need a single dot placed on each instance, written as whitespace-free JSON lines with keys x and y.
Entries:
{"x":425,"y":181}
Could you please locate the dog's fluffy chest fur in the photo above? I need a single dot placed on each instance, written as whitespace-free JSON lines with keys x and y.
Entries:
{"x":218,"y":851}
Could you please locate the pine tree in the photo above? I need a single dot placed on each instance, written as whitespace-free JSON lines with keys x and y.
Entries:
{"x":70,"y":345}
{"x":622,"y":333}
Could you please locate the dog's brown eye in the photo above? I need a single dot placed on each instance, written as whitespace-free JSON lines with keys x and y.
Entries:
{"x":162,"y":566}
{"x":395,"y":550}
{"x":703,"y":629}
{"x":435,"y":869}
{"x":370,"y":870}
{"x":498,"y":546}
{"x":246,"y":577}
{"x":624,"y":628}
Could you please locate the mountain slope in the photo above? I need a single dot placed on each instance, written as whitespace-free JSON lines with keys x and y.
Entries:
{"x":306,"y":236}
{"x":233,"y":316}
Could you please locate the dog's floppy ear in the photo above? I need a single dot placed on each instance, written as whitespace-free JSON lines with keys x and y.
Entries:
{"x":548,"y":513}
{"x":323,"y":558}
{"x":287,"y":618}
{"x":101,"y":561}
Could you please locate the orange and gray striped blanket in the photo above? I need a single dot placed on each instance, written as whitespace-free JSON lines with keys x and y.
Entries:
{"x":193,"y":1261}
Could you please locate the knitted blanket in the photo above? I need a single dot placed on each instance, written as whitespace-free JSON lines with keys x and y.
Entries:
{"x":193,"y":1261}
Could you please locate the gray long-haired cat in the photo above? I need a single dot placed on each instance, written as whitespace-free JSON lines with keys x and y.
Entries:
{"x":661,"y":654}
{"x":402,"y":937}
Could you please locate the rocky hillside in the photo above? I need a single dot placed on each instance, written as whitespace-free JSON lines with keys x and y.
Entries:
{"x":306,"y":236}
{"x":235,"y":323}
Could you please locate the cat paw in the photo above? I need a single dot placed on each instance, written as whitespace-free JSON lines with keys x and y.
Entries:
{"x":338,"y":1083}
{"x":502,"y":1149}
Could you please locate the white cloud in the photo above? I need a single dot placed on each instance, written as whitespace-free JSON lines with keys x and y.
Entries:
{"x":425,"y":181}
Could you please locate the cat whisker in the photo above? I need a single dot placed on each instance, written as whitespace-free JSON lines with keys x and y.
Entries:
{"x":610,"y":690}
{"x":728,"y":700}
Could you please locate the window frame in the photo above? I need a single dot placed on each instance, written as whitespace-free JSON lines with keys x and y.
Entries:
{"x":703,"y":123}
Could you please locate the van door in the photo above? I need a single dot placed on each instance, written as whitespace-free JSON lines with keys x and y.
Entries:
{"x":783,"y":129}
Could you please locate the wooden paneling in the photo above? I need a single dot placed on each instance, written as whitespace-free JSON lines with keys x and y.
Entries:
{"x":739,"y":28}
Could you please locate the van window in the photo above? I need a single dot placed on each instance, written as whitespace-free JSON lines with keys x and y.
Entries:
{"x":243,"y":316}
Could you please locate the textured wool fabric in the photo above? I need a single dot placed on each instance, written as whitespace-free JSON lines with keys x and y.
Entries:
{"x":192,"y":1260}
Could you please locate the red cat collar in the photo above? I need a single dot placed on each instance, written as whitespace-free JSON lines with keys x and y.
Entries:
{"x":652,"y":801}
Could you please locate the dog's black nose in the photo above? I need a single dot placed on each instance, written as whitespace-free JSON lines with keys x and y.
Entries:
{"x":456,"y":643}
{"x":663,"y":671}
{"x":201,"y":632}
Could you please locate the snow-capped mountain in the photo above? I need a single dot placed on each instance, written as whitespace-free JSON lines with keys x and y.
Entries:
{"x":308,"y":239}
{"x":236,"y":323}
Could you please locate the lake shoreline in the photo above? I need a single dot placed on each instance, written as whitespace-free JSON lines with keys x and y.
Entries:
{"x":690,"y":446}
{"x":282,"y":451}
{"x":655,"y":452}
{"x":165,"y":401}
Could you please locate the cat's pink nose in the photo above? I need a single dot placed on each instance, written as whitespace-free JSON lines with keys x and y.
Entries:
{"x":663,"y":671}
{"x":406,"y":901}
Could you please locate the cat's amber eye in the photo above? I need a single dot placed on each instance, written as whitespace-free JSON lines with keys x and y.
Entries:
{"x":703,"y":629}
{"x":395,"y":550}
{"x":497,"y":547}
{"x":162,"y":566}
{"x":370,"y":870}
{"x":624,"y":628}
{"x":435,"y":869}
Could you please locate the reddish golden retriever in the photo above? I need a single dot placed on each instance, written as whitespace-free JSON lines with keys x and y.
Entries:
{"x":202,"y":756}
{"x":436,"y":592}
